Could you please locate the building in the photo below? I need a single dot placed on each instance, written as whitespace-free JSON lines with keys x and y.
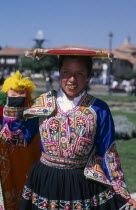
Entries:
{"x":10,"y":59}
{"x":126,"y":54}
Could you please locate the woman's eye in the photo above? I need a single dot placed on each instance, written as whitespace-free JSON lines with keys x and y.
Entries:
{"x":65,"y":73}
{"x":79,"y":74}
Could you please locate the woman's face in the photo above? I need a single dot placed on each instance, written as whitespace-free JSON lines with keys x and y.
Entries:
{"x":73,"y":76}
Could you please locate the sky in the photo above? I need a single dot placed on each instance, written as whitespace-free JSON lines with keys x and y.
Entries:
{"x":67,"y":22}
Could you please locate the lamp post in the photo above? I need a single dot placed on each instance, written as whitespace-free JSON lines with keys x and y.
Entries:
{"x":110,"y":65}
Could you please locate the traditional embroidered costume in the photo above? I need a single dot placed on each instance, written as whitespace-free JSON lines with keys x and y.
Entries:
{"x":79,"y":167}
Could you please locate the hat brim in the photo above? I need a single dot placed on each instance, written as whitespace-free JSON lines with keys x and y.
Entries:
{"x":39,"y":53}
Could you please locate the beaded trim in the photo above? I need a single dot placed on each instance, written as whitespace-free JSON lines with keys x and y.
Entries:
{"x":44,"y":105}
{"x":86,"y":204}
{"x":12,"y":113}
{"x":115,"y":171}
{"x":64,"y":163}
{"x":15,"y":138}
{"x":93,"y":169}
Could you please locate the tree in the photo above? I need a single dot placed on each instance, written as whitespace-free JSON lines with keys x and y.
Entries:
{"x":45,"y":64}
{"x":127,"y":75}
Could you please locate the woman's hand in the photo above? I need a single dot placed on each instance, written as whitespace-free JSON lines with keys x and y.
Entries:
{"x":17,"y":93}
{"x":132,"y":202}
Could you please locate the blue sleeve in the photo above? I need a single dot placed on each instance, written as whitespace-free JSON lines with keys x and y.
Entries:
{"x":104,"y":164}
{"x":28,"y":127}
{"x":105,"y":135}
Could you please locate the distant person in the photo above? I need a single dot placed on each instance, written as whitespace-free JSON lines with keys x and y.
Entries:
{"x":79,"y":166}
{"x":133,"y":87}
{"x":114,"y":84}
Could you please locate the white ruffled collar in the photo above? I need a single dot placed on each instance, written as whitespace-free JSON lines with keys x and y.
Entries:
{"x":66,"y":104}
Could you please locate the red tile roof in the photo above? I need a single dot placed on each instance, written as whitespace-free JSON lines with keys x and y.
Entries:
{"x":13,"y":51}
{"x":125,"y":52}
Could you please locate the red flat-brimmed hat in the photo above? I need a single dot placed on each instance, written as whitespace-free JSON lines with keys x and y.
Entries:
{"x":39,"y":53}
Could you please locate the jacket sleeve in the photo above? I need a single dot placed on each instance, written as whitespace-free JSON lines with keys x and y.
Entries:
{"x":15,"y":130}
{"x":104,"y":164}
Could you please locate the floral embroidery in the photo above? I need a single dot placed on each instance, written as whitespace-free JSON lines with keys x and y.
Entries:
{"x":63,"y":133}
{"x":78,"y":112}
{"x":49,"y":104}
{"x":63,"y":140}
{"x":90,"y":116}
{"x":51,"y":148}
{"x":27,"y":193}
{"x":115,"y":171}
{"x":72,"y":129}
{"x":45,"y":203}
{"x":81,"y":120}
{"x":42,"y":106}
{"x":93,"y":169}
{"x":53,"y":125}
{"x":64,"y":145}
{"x":73,"y":135}
{"x":15,"y":138}
{"x":68,"y":128}
{"x":83,"y":146}
{"x":68,"y":152}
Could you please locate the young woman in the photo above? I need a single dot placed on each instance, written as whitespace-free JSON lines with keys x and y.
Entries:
{"x":79,"y":167}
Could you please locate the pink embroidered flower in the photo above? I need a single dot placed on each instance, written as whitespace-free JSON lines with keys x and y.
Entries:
{"x":53,"y":124}
{"x":49,"y":104}
{"x":78,"y":112}
{"x":115,"y":187}
{"x":104,"y":180}
{"x":53,"y":148}
{"x":95,"y":200}
{"x":73,"y":135}
{"x":81,"y":121}
{"x":63,"y":139}
{"x":82,"y":143}
{"x":44,"y":204}
{"x":90,"y":116}
{"x":67,"y":153}
{"x":67,"y":207}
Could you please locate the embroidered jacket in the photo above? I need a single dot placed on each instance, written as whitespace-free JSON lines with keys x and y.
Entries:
{"x":85,"y":132}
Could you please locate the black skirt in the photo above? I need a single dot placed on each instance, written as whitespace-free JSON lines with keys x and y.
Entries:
{"x":51,"y":188}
